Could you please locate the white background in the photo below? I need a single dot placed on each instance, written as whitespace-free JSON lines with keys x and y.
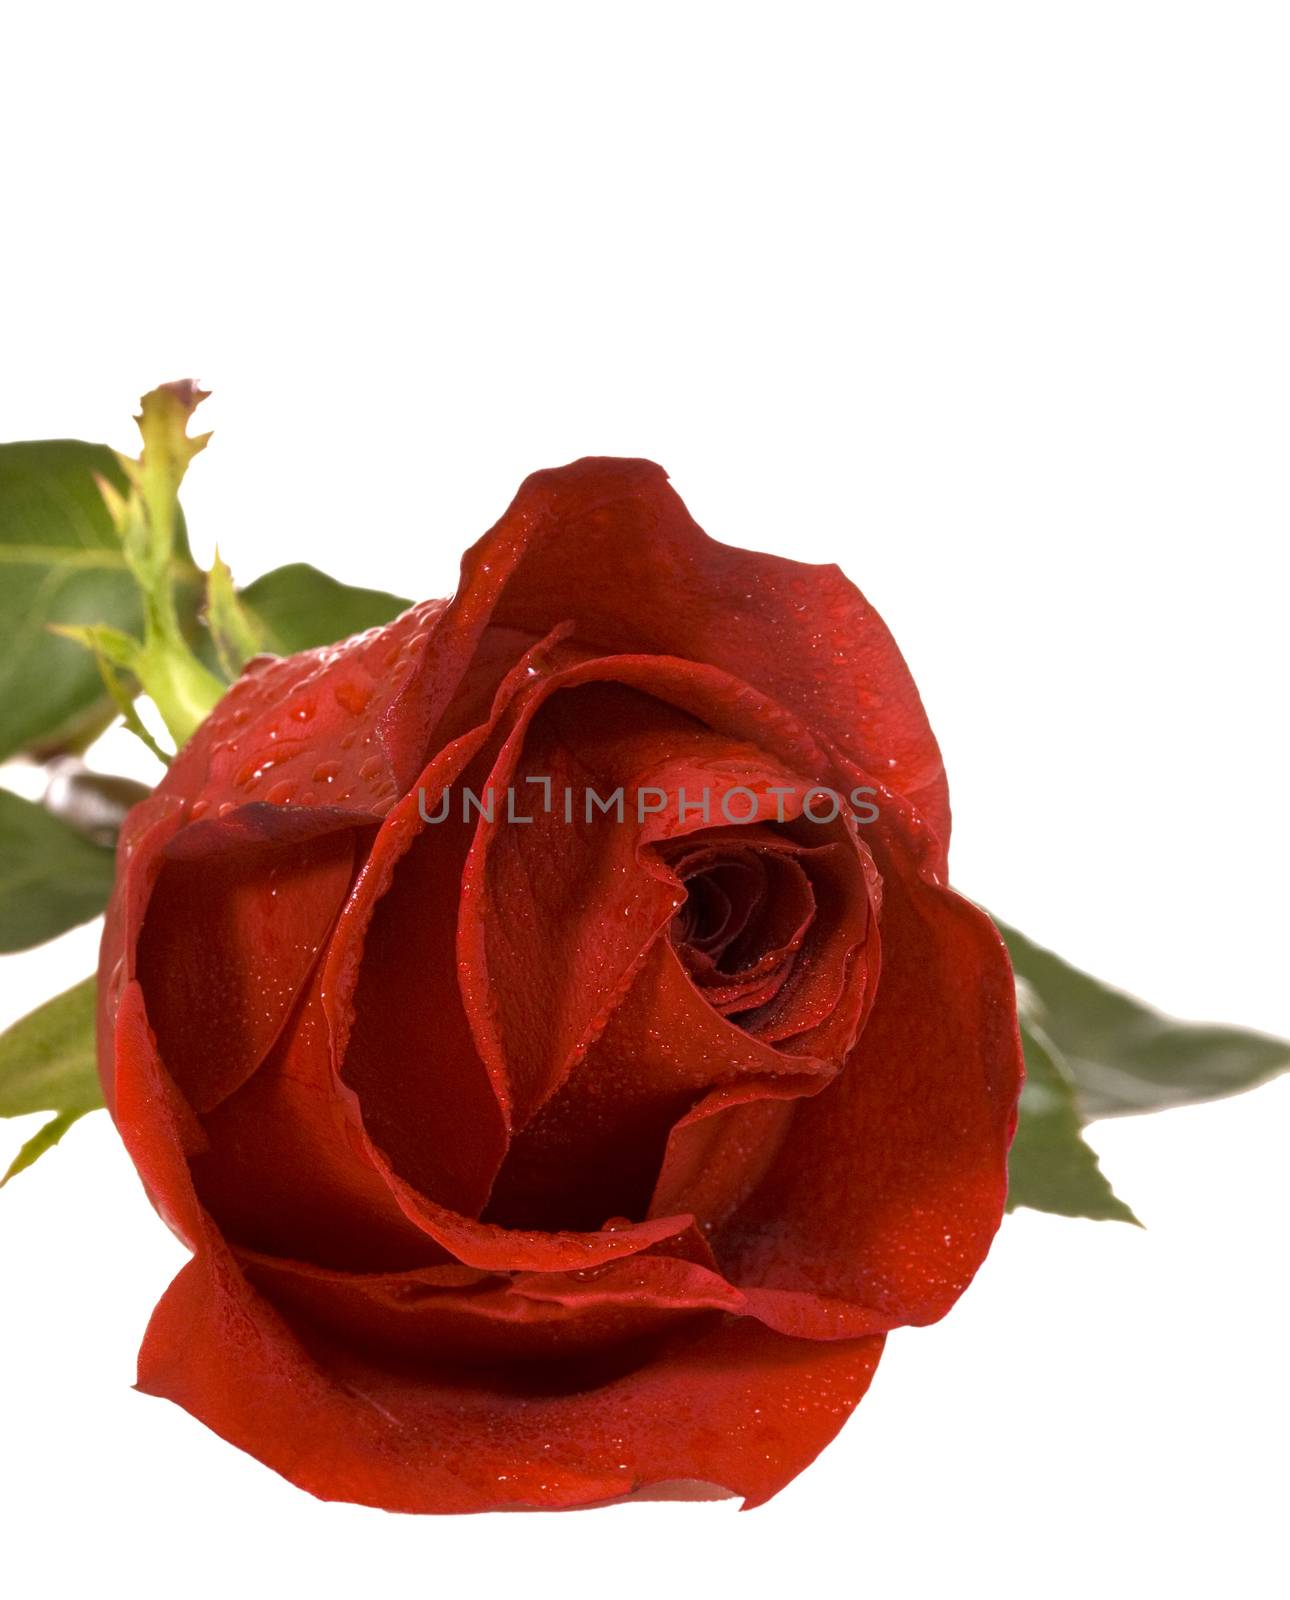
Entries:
{"x":987,"y":302}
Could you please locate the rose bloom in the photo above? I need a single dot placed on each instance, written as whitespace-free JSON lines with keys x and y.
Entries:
{"x":546,"y":1162}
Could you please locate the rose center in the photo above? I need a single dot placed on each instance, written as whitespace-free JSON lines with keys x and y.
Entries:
{"x":746,"y":912}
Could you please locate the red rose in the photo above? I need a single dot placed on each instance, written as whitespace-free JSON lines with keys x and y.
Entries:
{"x":538,"y":1162}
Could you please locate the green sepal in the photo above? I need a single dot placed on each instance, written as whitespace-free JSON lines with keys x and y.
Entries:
{"x":148,"y":524}
{"x":235,"y":633}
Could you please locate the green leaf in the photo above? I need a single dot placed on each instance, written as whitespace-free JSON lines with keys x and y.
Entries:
{"x":47,"y":1064}
{"x":47,"y":1058}
{"x":1050,"y":1168}
{"x":51,"y":877}
{"x":60,"y":562}
{"x":1121,"y":1055}
{"x":44,"y":1138}
{"x":298,"y":608}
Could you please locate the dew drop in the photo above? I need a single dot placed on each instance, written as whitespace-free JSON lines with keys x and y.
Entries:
{"x":352,"y":697}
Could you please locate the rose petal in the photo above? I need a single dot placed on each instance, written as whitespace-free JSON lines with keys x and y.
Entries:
{"x":286,"y":1172}
{"x":411,"y":1076}
{"x":144,"y":835}
{"x":306,"y":730}
{"x":609,"y":543}
{"x":289,"y":1167}
{"x":158,"y":1128}
{"x":558,"y":913}
{"x":596,"y":1147}
{"x":482,"y":1318}
{"x":737,"y":1406}
{"x":890,"y":1184}
{"x":236,"y":919}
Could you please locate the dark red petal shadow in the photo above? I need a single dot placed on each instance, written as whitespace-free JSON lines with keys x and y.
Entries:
{"x":237,"y":916}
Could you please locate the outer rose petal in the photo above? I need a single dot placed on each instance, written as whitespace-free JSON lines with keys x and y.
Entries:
{"x":608,"y":543}
{"x":269,"y":884}
{"x":156,"y":1126}
{"x":276,"y":1156}
{"x":738,"y":1406}
{"x":144,"y":835}
{"x":306,"y":730}
{"x":288,"y":1168}
{"x":284,"y":1172}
